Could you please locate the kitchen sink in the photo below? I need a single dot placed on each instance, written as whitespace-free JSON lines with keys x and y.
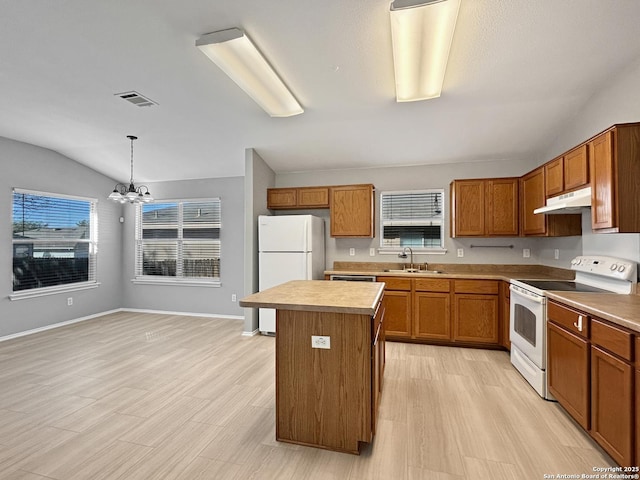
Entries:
{"x":413,"y":270}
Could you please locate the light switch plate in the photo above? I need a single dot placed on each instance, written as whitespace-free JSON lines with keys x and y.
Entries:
{"x":372,"y":252}
{"x":556,"y":254}
{"x":320,"y":341}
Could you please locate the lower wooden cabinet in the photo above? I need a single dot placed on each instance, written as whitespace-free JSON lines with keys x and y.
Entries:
{"x":398,"y":314}
{"x":612,"y":404}
{"x":475,"y":318}
{"x":638,"y":406}
{"x":568,"y":372}
{"x":432,"y":315}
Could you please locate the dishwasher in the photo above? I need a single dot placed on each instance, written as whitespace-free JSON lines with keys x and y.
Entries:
{"x":354,"y":278}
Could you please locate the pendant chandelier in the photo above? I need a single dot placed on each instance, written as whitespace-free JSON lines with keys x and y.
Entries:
{"x":123,"y":193}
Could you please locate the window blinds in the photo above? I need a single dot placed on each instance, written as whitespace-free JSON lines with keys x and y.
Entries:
{"x":54,"y":240}
{"x":179,"y":239}
{"x":412,"y":218}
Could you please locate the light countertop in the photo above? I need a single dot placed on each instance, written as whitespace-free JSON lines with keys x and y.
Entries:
{"x":623,"y":310}
{"x":319,"y":296}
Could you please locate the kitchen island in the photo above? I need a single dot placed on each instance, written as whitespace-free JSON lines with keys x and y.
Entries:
{"x":329,"y":360}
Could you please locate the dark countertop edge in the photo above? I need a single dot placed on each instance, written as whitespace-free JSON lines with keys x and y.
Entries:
{"x":594,"y":310}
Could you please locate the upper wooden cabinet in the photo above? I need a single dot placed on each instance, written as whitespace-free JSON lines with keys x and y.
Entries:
{"x":576,"y":169}
{"x":532,"y":196}
{"x":484,"y":207}
{"x":614,"y":157}
{"x":554,"y":177}
{"x":300,"y":197}
{"x":351,"y":206}
{"x":567,"y":173}
{"x":352,"y":211}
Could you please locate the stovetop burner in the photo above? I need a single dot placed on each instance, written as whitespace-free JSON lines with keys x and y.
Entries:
{"x":562,"y":285}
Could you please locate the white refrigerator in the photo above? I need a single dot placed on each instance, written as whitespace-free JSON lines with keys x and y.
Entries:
{"x":291,"y":247}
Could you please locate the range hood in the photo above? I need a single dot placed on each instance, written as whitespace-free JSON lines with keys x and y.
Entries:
{"x":571,"y":202}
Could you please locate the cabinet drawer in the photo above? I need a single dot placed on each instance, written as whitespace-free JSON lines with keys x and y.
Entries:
{"x":572,"y":320}
{"x":433,"y":285}
{"x":616,"y":340}
{"x":395,"y":283}
{"x":488,"y":287}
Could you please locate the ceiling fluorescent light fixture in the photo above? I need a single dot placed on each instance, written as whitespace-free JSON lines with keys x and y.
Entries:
{"x":421,"y":34}
{"x":239,"y":58}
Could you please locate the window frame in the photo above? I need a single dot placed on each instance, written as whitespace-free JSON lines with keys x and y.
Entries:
{"x":140,"y":278}
{"x":441,"y":250}
{"x":92,"y":243}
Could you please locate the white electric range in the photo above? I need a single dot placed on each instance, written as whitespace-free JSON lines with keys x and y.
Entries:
{"x":528,"y":326}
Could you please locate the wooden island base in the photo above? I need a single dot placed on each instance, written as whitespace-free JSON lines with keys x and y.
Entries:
{"x":327,"y":397}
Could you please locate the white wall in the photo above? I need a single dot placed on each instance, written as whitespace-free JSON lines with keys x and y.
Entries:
{"x":34,"y":168}
{"x":258,"y":177}
{"x":193,"y":299}
{"x":434,"y":176}
{"x":618,"y":102}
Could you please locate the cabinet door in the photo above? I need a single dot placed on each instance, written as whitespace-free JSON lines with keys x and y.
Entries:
{"x":533,"y":196}
{"x":468,"y":208}
{"x":603,"y":208}
{"x":352,"y":211}
{"x":282,"y":198}
{"x":397,"y":314}
{"x":475,"y":318}
{"x":313,"y":197}
{"x":568,"y":372}
{"x":612,"y":405}
{"x":554,"y":177}
{"x":576,"y":168}
{"x":502,"y":207}
{"x":432,"y":315}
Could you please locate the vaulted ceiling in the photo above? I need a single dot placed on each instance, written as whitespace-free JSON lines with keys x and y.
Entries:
{"x":518,"y":71}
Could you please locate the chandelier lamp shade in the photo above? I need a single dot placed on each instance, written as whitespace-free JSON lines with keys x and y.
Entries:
{"x":421,"y":35}
{"x":237,"y":56}
{"x":124,"y":193}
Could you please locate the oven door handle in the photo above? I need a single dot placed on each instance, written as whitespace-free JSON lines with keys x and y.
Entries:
{"x":537,"y":299}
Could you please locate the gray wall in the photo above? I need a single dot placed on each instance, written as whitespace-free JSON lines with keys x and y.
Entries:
{"x":258,"y":177}
{"x":433,"y":176}
{"x":26,"y":166}
{"x":193,"y":299}
{"x":618,"y":102}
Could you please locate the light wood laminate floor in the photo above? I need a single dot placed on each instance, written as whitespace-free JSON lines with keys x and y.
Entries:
{"x":140,"y":396}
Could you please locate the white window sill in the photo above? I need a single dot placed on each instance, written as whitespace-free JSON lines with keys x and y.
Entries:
{"x":416,"y":251}
{"x":42,"y":292}
{"x":180,"y":283}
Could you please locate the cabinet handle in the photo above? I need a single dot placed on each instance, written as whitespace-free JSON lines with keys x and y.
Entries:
{"x":578,"y":325}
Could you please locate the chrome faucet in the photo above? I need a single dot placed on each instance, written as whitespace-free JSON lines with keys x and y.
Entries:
{"x":404,"y":255}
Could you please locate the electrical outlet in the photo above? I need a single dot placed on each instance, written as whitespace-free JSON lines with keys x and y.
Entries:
{"x":526,"y":253}
{"x":461,"y":252}
{"x":318,"y":341}
{"x":372,"y":252}
{"x":556,"y":253}
{"x":70,"y":301}
{"x":352,"y":252}
{"x":233,"y":297}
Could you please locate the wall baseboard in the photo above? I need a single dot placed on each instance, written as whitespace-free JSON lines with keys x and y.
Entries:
{"x":57,"y":325}
{"x":251,"y":334}
{"x":117,"y":310}
{"x":184,"y":314}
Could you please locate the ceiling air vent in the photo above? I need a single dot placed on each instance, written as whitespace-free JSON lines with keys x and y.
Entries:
{"x":136,"y":99}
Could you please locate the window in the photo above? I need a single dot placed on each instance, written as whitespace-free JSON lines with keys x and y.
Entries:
{"x":412,"y":219}
{"x":179,"y":241}
{"x":54,"y":241}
